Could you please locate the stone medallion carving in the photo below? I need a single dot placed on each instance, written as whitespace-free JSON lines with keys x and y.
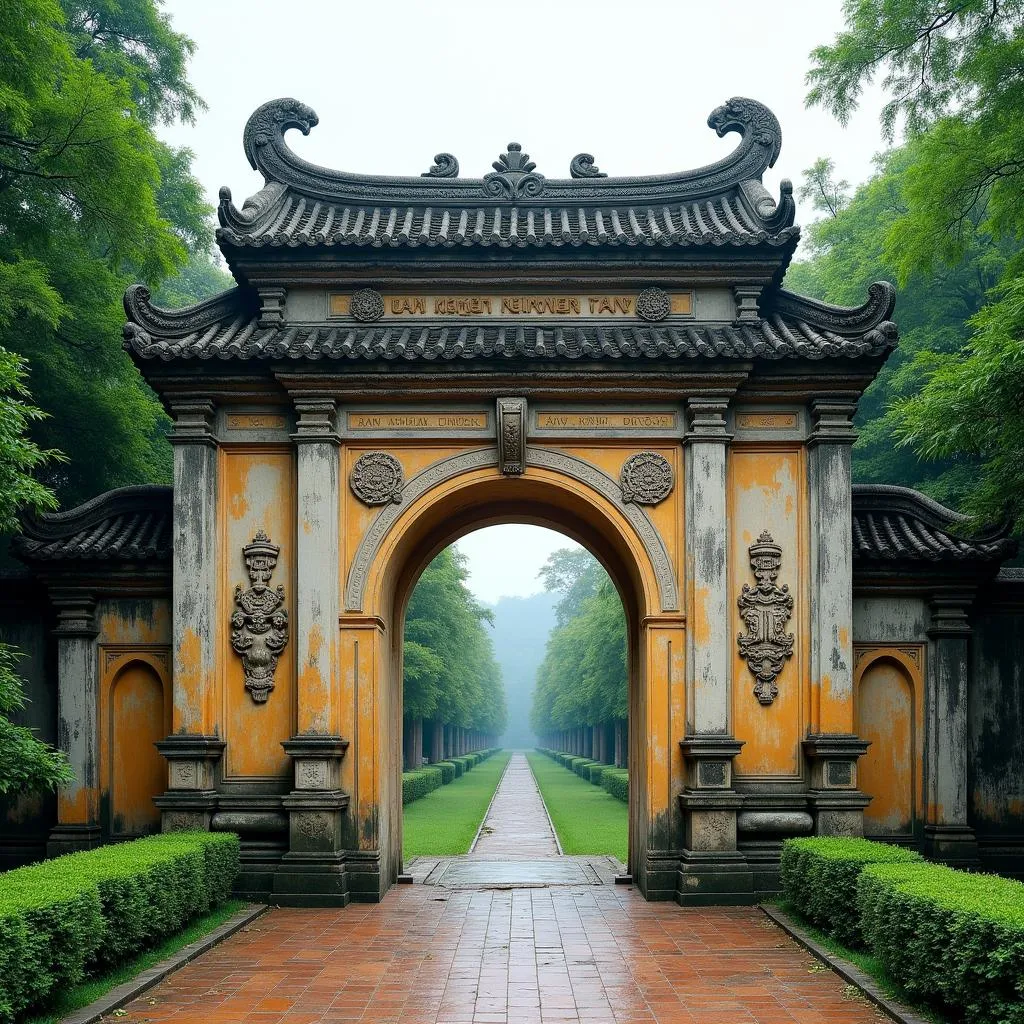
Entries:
{"x":366,"y":304}
{"x":653,"y":304}
{"x":646,"y":478}
{"x":312,"y":825}
{"x":512,"y":435}
{"x":259,"y":625}
{"x":377,"y":479}
{"x":765,"y":609}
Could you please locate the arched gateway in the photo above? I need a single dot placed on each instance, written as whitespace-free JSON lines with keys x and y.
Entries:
{"x":406,"y":359}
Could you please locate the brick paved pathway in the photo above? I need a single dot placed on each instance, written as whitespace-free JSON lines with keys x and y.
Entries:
{"x":592,"y":955}
{"x":516,"y":824}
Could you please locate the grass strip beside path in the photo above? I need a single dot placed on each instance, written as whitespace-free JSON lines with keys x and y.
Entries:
{"x":587,"y":818}
{"x":444,"y":822}
{"x":89,"y":991}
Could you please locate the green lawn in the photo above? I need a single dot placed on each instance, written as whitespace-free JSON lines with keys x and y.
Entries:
{"x":586,"y":818}
{"x":444,"y":822}
{"x":89,"y":991}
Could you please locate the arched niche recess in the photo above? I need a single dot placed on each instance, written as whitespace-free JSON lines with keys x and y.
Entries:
{"x":138,"y":718}
{"x":888,"y":692}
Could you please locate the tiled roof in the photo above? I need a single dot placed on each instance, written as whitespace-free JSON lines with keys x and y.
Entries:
{"x":722,"y":204}
{"x":130,"y":524}
{"x":773,"y":338}
{"x":897,"y":524}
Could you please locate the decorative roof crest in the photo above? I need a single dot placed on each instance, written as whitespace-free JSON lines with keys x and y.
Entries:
{"x":513,"y":175}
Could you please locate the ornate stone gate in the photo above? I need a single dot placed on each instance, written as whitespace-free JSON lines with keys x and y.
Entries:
{"x":404,"y":360}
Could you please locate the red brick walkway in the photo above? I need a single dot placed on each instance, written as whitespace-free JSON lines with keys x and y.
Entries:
{"x":522,"y":956}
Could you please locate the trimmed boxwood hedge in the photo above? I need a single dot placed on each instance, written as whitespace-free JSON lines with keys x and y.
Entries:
{"x":595,"y":771}
{"x":949,"y":937}
{"x":819,"y":879}
{"x":421,"y":781}
{"x":66,"y":918}
{"x":616,"y":782}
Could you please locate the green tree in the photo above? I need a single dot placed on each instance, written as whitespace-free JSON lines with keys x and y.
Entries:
{"x":846,"y":252}
{"x":582,"y":680}
{"x":954,"y":75}
{"x":27,"y":765}
{"x":449,"y":671}
{"x":90,"y":201}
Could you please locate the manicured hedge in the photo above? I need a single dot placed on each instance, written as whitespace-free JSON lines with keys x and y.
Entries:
{"x":448,"y":771}
{"x":951,"y":937}
{"x":819,"y":879}
{"x":66,"y":918}
{"x":595,"y":771}
{"x":616,"y":782}
{"x":421,"y":781}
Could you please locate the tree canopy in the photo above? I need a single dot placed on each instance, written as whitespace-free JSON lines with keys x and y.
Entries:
{"x":582,"y":679}
{"x":952,"y":216}
{"x":450,"y":674}
{"x":27,"y":765}
{"x":91,"y":201}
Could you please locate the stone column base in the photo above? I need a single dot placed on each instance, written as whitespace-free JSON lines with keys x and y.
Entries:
{"x":710,"y":878}
{"x":952,"y":844}
{"x":190,"y":800}
{"x":73,"y":839}
{"x":366,"y":880}
{"x":312,"y":873}
{"x":186,"y":810}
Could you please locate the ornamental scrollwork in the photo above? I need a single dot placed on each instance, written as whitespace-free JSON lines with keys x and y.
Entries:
{"x":513,"y":176}
{"x":646,"y":479}
{"x":653,"y":304}
{"x":377,"y":479}
{"x":259,"y":625}
{"x":583,"y":166}
{"x":444,"y":166}
{"x":366,"y":305}
{"x":765,"y":610}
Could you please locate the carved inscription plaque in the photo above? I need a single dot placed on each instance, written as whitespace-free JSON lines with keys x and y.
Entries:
{"x":600,"y":305}
{"x":254,"y":421}
{"x":417,"y":421}
{"x":766,"y":420}
{"x":604,"y":420}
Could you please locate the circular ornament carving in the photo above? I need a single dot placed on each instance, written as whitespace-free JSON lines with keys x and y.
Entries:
{"x":377,"y":479}
{"x":653,"y":304}
{"x":366,"y":304}
{"x":646,"y":478}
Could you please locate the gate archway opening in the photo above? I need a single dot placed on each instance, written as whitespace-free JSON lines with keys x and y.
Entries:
{"x":476,"y":500}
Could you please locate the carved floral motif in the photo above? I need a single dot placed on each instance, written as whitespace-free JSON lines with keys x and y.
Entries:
{"x":646,"y":478}
{"x":513,"y":176}
{"x":766,"y":608}
{"x":366,"y":305}
{"x":259,"y":626}
{"x":653,"y":304}
{"x":377,"y":479}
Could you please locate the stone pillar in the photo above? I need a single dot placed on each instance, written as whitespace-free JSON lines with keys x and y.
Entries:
{"x":831,"y":501}
{"x":837,"y":803}
{"x":948,"y":836}
{"x":194,"y":748}
{"x":313,"y":870}
{"x":78,"y":803}
{"x":712,"y":870}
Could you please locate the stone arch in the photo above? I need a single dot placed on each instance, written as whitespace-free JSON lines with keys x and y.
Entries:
{"x":887,"y":707}
{"x":138,"y":716}
{"x":561,"y":496}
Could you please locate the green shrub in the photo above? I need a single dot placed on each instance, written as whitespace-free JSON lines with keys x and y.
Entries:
{"x":616,"y":782}
{"x":595,"y":771}
{"x":951,"y":937}
{"x":582,"y":768}
{"x":819,"y":879}
{"x":448,"y":770}
{"x":64,"y":917}
{"x":418,"y":783}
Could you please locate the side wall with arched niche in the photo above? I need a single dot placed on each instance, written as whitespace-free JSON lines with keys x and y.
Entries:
{"x":889,"y":702}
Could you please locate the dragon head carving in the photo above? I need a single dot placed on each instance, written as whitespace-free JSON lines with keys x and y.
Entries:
{"x":753,"y":120}
{"x":269,"y":122}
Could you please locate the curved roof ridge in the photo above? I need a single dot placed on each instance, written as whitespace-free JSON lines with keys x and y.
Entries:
{"x":136,"y":498}
{"x":875,"y":311}
{"x":173,"y":323}
{"x":515,"y":178}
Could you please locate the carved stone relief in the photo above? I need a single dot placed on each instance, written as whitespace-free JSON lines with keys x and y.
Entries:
{"x":653,"y":304}
{"x":313,"y":825}
{"x":259,"y":625}
{"x":512,"y":435}
{"x":366,"y":305}
{"x":646,"y":478}
{"x":377,"y":479}
{"x":514,"y":176}
{"x":765,"y":609}
{"x":312,"y":775}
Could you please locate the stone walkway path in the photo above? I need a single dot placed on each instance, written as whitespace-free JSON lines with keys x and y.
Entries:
{"x":569,"y":955}
{"x":517,"y":825}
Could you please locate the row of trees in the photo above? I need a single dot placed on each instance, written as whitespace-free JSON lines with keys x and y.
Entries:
{"x":453,"y":699}
{"x":943,"y":215}
{"x":581,"y":699}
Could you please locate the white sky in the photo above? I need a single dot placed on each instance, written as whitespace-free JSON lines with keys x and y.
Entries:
{"x":396,"y":81}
